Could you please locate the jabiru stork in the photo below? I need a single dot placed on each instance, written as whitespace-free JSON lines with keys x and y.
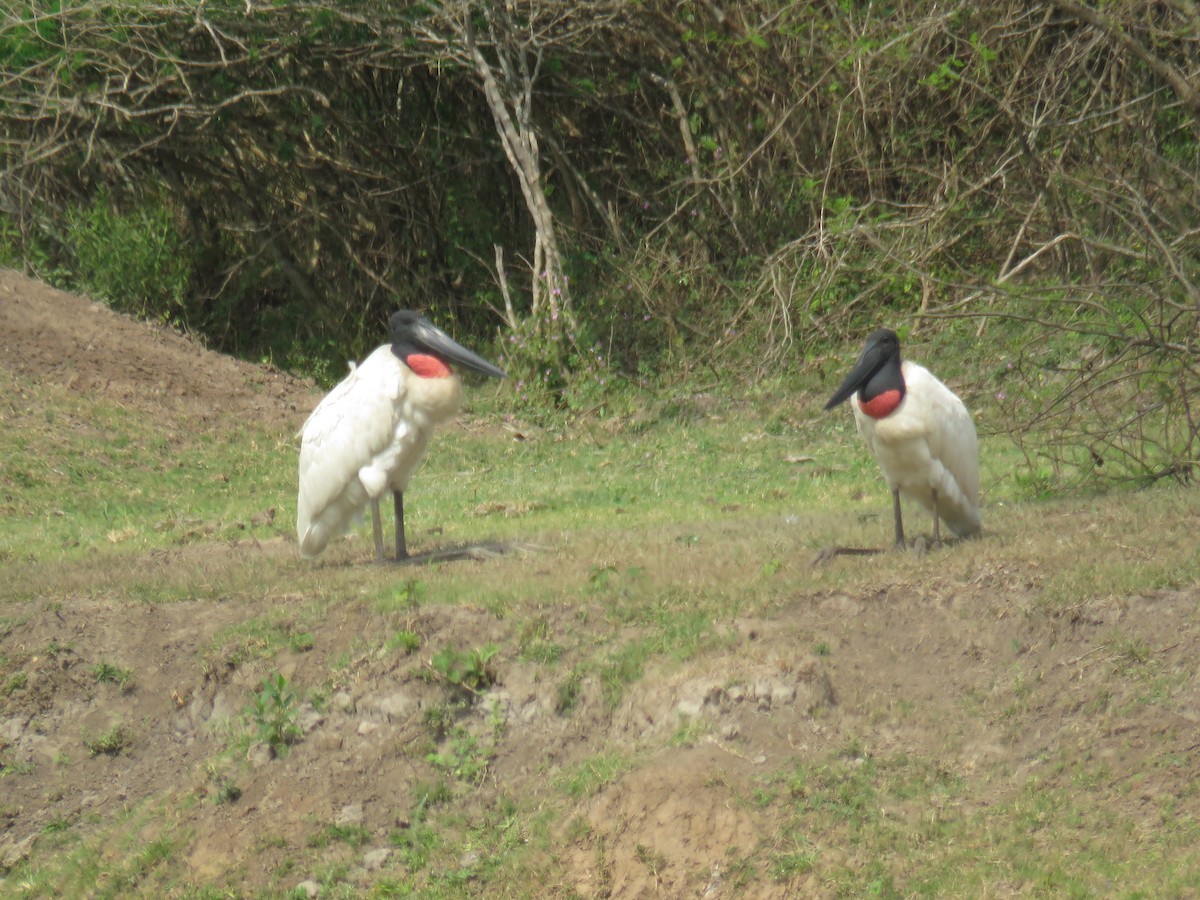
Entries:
{"x":920,"y":433}
{"x":369,"y":433}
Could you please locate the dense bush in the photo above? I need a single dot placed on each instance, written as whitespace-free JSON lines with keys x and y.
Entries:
{"x":641,"y":188}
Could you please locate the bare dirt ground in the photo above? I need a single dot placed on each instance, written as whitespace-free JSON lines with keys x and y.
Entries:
{"x":964,"y":672}
{"x":51,"y":335}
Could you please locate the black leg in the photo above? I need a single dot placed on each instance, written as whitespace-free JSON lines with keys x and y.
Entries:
{"x":377,"y":528}
{"x":900,"y":545}
{"x":401,"y":544}
{"x":937,"y":531}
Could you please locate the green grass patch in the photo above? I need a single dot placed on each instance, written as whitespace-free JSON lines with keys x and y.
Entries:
{"x":591,"y":775}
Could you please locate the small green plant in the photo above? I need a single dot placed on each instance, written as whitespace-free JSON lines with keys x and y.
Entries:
{"x":302,"y":642}
{"x":536,"y":643}
{"x":689,"y":732}
{"x":273,"y":712}
{"x":110,"y":742}
{"x":106,"y":673}
{"x":226,"y":791}
{"x":567,"y":695}
{"x":56,"y":824}
{"x":427,"y":795}
{"x":8,"y":766}
{"x":15,"y":682}
{"x":55,"y":649}
{"x":467,"y":669}
{"x":594,"y":773}
{"x":463,"y":756}
{"x":353,"y":835}
{"x":406,"y":641}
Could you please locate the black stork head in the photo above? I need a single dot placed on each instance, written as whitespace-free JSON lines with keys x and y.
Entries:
{"x":414,"y":339}
{"x":875,"y":375}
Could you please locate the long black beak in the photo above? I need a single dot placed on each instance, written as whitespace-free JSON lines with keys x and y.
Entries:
{"x":436,"y":341}
{"x":869,"y":362}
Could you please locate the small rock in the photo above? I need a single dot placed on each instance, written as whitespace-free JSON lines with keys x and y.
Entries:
{"x":343,"y":701}
{"x":351,"y":814}
{"x":782,"y":694}
{"x":396,"y":707}
{"x":329,"y":743}
{"x":376,"y":859}
{"x":309,"y":719}
{"x":365,"y":727}
{"x":689,"y":708}
{"x":14,"y":852}
{"x":309,"y":888}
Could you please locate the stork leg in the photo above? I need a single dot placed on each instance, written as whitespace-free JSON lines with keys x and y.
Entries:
{"x":377,"y":528}
{"x":899,"y":523}
{"x":401,"y":544}
{"x":937,"y":532}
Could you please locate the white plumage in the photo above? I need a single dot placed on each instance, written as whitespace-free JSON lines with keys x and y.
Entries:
{"x":920,"y":433}
{"x":366,"y":437}
{"x":928,"y":443}
{"x":369,"y":434}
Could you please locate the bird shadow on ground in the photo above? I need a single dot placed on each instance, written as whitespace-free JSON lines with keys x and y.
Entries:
{"x":478,"y":551}
{"x":918,"y":547}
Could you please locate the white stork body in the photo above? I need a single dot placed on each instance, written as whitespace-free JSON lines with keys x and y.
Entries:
{"x":369,"y":434}
{"x":926,"y":444}
{"x":920,"y":433}
{"x":365,"y":438}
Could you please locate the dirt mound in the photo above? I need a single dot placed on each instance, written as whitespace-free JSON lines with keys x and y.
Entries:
{"x":53,"y":336}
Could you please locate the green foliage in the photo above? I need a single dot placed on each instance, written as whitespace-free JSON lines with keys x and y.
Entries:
{"x":407,"y":642}
{"x":463,"y":756}
{"x":133,"y":259}
{"x":708,"y":238}
{"x":568,"y":692}
{"x":352,"y":835}
{"x":467,"y":669}
{"x":107,"y":673}
{"x":589,"y":776}
{"x":109,"y":742}
{"x":14,"y":682}
{"x":273,"y":712}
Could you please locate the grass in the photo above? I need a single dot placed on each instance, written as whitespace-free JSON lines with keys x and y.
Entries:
{"x":110,"y":741}
{"x":657,"y":534}
{"x":909,"y":827}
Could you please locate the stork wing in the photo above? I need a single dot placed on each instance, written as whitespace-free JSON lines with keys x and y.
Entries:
{"x":354,"y":423}
{"x":952,"y":441}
